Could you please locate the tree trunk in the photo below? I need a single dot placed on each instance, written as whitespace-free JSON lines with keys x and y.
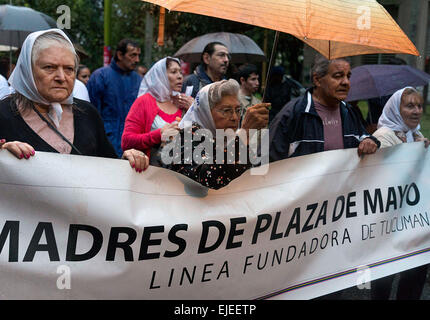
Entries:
{"x":149,"y":38}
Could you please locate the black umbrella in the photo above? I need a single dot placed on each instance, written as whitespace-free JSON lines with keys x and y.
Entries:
{"x":378,"y":80}
{"x":16,"y":23}
{"x":242,"y":48}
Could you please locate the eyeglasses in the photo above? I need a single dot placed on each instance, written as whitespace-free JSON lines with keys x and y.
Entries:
{"x":223,"y":55}
{"x":228,"y":112}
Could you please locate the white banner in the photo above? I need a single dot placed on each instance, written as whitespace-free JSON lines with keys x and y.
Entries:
{"x":74,"y":227}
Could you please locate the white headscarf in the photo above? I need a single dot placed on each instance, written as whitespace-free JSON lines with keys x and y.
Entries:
{"x":156,"y":81}
{"x":200,"y":111}
{"x":392,"y":119}
{"x":22,"y":79}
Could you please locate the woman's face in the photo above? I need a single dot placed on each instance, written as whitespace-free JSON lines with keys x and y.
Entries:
{"x":84,"y":75}
{"x":226,"y":114}
{"x":411,"y":109}
{"x":54,"y":73}
{"x":174,"y":74}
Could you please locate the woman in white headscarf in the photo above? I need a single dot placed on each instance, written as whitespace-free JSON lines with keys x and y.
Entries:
{"x":195,"y":153}
{"x":155,"y":113}
{"x":400,"y":119}
{"x":42,"y":114}
{"x":400,"y":123}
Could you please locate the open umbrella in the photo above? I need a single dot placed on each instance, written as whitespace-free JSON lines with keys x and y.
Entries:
{"x":16,"y":23}
{"x":335,"y":28}
{"x":378,"y":80}
{"x":241,"y":48}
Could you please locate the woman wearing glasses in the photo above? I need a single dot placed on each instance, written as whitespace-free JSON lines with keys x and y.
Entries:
{"x":197,"y":154}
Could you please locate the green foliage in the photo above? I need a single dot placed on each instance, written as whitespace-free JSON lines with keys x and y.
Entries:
{"x":425,"y":123}
{"x":128,"y":21}
{"x":86,"y":23}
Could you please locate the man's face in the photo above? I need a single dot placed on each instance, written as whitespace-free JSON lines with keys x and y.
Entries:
{"x":129,"y":60}
{"x":218,"y":61}
{"x":251,"y":84}
{"x":335,"y":84}
{"x":54,"y":73}
{"x":411,"y":109}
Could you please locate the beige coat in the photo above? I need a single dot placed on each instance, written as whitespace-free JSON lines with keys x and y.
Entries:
{"x":388,"y":137}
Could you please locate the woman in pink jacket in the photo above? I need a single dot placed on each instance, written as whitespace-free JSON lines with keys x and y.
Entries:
{"x":154,"y":115}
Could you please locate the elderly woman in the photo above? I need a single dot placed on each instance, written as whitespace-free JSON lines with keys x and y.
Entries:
{"x":400,"y":123}
{"x":216,"y":107}
{"x":42,"y":115}
{"x":400,"y":119}
{"x":155,"y":113}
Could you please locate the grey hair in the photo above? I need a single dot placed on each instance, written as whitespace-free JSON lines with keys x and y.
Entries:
{"x":320,"y":65}
{"x":408,"y":91}
{"x":220,"y":89}
{"x":50,"y":39}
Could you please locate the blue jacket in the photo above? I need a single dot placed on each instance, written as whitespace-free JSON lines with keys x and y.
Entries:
{"x":112,"y":91}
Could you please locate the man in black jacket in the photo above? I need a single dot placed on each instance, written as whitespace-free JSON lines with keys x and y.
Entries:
{"x":320,"y":120}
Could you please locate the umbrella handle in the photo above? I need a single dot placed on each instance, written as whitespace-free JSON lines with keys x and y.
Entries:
{"x":271,"y":62}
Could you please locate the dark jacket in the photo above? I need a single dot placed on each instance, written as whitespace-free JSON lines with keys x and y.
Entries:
{"x":213,"y":175}
{"x":112,"y":91}
{"x":298,"y":129}
{"x":89,"y":135}
{"x":198,"y":79}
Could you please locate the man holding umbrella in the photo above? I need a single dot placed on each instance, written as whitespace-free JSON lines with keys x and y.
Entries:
{"x":215,"y":61}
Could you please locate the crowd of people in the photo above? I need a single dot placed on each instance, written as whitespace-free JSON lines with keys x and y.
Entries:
{"x":54,"y":104}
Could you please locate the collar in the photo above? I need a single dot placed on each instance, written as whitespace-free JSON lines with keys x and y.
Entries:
{"x":115,"y":66}
{"x":201,"y":72}
{"x":310,"y":107}
{"x":241,"y":93}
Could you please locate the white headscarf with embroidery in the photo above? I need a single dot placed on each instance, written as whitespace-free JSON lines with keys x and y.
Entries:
{"x":156,"y":81}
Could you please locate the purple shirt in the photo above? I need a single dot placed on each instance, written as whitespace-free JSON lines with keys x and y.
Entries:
{"x":332,"y":122}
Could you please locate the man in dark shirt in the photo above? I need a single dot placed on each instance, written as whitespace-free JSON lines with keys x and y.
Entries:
{"x":320,"y":120}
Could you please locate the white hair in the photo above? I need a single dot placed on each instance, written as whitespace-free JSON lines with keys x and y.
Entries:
{"x":220,"y":89}
{"x":52,"y":39}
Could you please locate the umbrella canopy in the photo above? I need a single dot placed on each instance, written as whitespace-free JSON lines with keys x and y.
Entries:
{"x":335,"y":28}
{"x":16,"y":23}
{"x":242,"y":48}
{"x":378,"y":80}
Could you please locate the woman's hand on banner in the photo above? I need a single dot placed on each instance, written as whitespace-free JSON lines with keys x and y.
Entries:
{"x":18,"y":149}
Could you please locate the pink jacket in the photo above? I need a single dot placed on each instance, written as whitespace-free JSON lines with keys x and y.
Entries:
{"x":137,"y":134}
